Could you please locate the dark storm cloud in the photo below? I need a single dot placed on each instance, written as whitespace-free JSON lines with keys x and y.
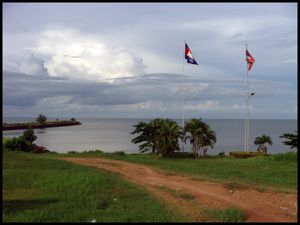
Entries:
{"x":26,"y":91}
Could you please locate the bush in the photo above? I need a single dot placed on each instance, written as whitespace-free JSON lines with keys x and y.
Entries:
{"x":73,"y":119}
{"x":72,"y":152}
{"x":181,"y":155}
{"x":119,"y":152}
{"x":23,"y":143}
{"x":29,"y":135}
{"x":221,"y":154}
{"x":240,"y":154}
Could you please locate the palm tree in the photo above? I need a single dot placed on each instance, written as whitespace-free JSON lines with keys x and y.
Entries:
{"x":146,"y":137}
{"x":261,"y":141}
{"x":41,"y":119}
{"x":168,"y":133}
{"x":201,"y":136}
{"x":159,"y":136}
{"x":292,"y":139}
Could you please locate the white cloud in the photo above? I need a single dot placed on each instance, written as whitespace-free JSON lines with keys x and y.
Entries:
{"x":77,"y":55}
{"x":32,"y":65}
{"x":238,"y":27}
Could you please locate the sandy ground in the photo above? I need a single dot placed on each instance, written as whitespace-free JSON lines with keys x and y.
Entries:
{"x":260,"y":206}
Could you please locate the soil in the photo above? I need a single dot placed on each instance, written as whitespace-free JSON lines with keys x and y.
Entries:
{"x":190,"y":197}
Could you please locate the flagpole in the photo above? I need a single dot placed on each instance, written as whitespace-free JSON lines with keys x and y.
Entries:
{"x":247,"y":119}
{"x":182,"y":89}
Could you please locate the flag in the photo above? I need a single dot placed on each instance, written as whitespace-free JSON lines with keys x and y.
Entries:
{"x":250,"y":60}
{"x":189,"y":56}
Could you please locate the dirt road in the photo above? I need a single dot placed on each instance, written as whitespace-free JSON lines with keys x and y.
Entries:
{"x":260,"y":206}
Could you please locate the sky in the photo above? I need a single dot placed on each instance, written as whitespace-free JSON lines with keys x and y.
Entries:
{"x":126,"y":60}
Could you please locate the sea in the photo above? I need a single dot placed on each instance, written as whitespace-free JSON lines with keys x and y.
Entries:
{"x":110,"y":135}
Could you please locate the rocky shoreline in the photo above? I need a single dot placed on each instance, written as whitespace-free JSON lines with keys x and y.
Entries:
{"x":21,"y":126}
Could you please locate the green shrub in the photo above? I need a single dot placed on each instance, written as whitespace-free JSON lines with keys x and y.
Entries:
{"x":221,"y":154}
{"x":240,"y":154}
{"x":72,"y":152}
{"x":181,"y":155}
{"x":22,"y":143}
{"x":119,"y":152}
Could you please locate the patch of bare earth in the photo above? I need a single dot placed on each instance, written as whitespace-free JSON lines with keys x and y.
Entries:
{"x":264,"y":206}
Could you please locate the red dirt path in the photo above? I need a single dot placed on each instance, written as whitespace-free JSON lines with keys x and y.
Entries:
{"x":263,"y":206}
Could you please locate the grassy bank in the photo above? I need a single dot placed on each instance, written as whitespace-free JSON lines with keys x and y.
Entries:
{"x":40,"y":188}
{"x":278,"y":171}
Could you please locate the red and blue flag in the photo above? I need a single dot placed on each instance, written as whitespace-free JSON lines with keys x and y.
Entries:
{"x":250,"y":60}
{"x":188,"y":55}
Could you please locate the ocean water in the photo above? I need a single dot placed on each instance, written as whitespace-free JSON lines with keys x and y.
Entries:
{"x":111,"y":135}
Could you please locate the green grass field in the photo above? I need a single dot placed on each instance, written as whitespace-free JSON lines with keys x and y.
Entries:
{"x":41,"y":188}
{"x":38,"y":188}
{"x":278,"y":172}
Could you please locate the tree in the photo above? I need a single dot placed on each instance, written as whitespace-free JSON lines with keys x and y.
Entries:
{"x":261,"y":141}
{"x":167,"y":137}
{"x":41,"y":119}
{"x":292,"y":139}
{"x":146,"y":137}
{"x":73,"y":119}
{"x":29,"y":135}
{"x":22,"y":143}
{"x":159,"y":136}
{"x":200,"y":135}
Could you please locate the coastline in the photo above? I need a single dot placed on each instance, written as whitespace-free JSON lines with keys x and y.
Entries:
{"x":21,"y":126}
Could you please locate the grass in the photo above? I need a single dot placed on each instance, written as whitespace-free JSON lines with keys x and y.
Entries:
{"x":39,"y":188}
{"x":231,"y":214}
{"x":278,"y":172}
{"x":176,"y":193}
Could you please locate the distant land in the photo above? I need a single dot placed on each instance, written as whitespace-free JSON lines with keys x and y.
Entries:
{"x":48,"y":124}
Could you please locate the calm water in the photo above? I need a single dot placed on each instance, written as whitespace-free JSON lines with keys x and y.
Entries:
{"x":111,"y":135}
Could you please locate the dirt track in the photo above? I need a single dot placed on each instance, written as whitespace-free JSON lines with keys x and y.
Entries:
{"x":263,"y":206}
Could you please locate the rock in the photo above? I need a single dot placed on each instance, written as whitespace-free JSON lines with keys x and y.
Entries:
{"x":39,"y":149}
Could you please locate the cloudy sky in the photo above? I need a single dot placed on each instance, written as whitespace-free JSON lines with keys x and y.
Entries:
{"x":126,"y":60}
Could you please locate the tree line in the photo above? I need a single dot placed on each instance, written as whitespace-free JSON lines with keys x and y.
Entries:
{"x":161,"y":136}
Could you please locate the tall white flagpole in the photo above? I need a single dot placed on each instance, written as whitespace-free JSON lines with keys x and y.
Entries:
{"x":182,"y":89}
{"x":247,"y":118}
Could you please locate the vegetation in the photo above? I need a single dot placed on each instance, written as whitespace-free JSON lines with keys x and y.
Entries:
{"x":278,"y":171}
{"x":47,"y":124}
{"x":261,"y":141}
{"x":201,"y":136}
{"x":159,"y":136}
{"x":73,"y":119}
{"x":292,"y":139}
{"x":23,"y":142}
{"x":231,"y":214}
{"x":241,"y":154}
{"x":41,"y":119}
{"x":39,"y":188}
